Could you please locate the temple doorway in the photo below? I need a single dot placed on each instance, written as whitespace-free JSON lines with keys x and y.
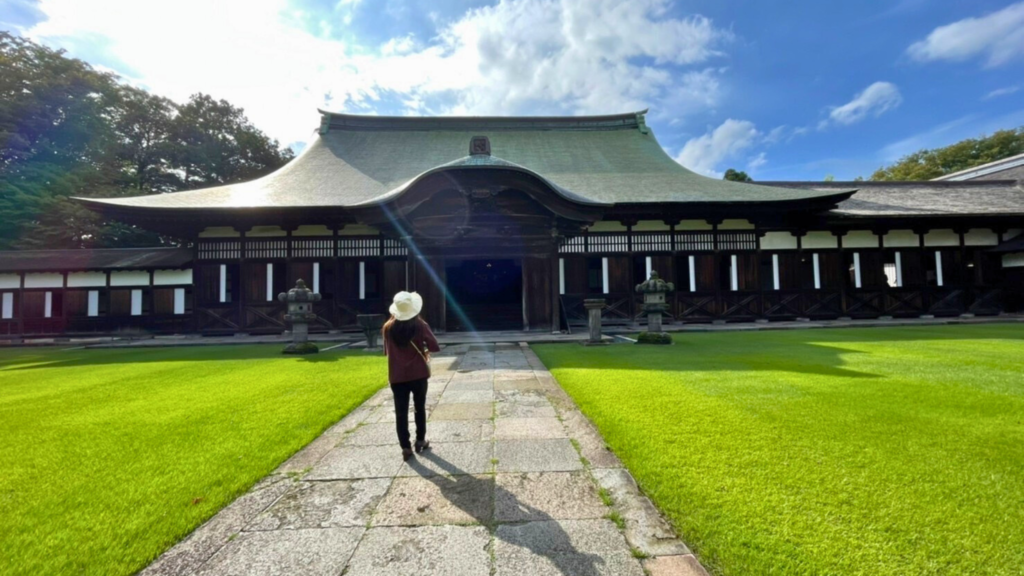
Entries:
{"x":484,"y":294}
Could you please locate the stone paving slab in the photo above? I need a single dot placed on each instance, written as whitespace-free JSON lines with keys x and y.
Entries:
{"x":467,"y":397}
{"x":553,"y":455}
{"x":518,"y":410}
{"x":353,"y":462}
{"x":451,"y":458}
{"x":470,"y":385}
{"x":524,"y":428}
{"x":682,"y":565}
{"x":375,"y":434}
{"x":460,"y":430}
{"x":646,"y":529}
{"x":332,"y":504}
{"x":423,"y":551}
{"x":285,"y":552}
{"x":563,"y":548}
{"x":418,"y":501}
{"x":536,"y":496}
{"x":462,"y":412}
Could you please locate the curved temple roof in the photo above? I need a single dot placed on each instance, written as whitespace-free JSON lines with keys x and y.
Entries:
{"x":364,"y":160}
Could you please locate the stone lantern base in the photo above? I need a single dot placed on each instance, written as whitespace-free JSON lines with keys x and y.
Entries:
{"x":662,"y":338}
{"x":301,"y":348}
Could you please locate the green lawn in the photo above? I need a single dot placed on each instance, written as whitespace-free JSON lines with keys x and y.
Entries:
{"x":109,"y":457}
{"x":851,"y":451}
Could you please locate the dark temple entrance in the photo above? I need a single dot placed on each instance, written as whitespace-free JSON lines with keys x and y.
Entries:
{"x":484,"y":294}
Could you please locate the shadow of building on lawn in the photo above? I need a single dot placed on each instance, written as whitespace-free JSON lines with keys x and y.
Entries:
{"x":546,"y":538}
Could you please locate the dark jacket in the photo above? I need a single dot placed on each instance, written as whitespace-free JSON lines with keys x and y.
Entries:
{"x":404,"y":363}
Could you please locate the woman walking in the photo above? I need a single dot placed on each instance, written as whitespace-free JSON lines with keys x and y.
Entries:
{"x":408,"y":343}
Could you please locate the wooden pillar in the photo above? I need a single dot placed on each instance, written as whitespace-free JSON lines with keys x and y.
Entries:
{"x":21,"y":304}
{"x":844,"y":272}
{"x":242,"y":280}
{"x":197,"y":278}
{"x":761,"y":306}
{"x":966,"y":283}
{"x":555,"y":300}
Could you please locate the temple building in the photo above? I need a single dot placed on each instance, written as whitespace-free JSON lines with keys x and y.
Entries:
{"x":510,"y":223}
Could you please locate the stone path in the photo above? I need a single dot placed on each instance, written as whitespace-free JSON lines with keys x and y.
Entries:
{"x":518,"y":483}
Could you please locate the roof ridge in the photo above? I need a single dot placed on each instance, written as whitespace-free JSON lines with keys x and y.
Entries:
{"x":339,"y":120}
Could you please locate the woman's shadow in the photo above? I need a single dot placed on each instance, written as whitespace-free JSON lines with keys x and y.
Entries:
{"x":547,"y":539}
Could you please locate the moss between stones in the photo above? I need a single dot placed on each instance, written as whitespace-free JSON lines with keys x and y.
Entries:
{"x":653,"y":338}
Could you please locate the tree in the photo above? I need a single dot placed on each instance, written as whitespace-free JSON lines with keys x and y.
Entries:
{"x":67,"y":130}
{"x":736,"y":176}
{"x":214,"y":143}
{"x":928,"y":164}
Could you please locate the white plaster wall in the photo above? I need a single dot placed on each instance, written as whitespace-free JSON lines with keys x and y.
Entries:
{"x":86,"y":279}
{"x":265,"y":232}
{"x":313,"y":230}
{"x":44,"y":280}
{"x":860,"y":239}
{"x":129,"y":278}
{"x":651,"y":226}
{"x":1012,"y":233}
{"x":901,"y":239}
{"x":735,"y":225}
{"x":981,"y":237}
{"x":693,"y":225}
{"x":1015,"y":260}
{"x":358,"y":230}
{"x":219,"y":232}
{"x":941,"y":238}
{"x":10,"y":281}
{"x":778,"y":241}
{"x":607,"y":226}
{"x":171,"y":277}
{"x":819,"y":240}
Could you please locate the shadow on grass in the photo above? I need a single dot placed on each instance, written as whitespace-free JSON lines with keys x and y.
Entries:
{"x":56,"y":358}
{"x":808,"y":351}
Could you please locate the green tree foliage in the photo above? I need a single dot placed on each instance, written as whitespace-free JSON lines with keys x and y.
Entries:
{"x":736,"y":176}
{"x":68,"y":130}
{"x":928,"y":164}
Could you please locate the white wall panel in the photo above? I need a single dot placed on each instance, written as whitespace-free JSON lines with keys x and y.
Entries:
{"x":172,"y":277}
{"x":981,"y":237}
{"x":901,"y":239}
{"x":7,"y":306}
{"x":129,"y":278}
{"x":44,"y":280}
{"x":860,"y":239}
{"x":941,"y":238}
{"x":87,"y":279}
{"x":820,"y":240}
{"x":136,"y":302}
{"x":778,"y":241}
{"x":10,"y":281}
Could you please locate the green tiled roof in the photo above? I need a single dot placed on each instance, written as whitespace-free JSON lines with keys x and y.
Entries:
{"x":360,"y":160}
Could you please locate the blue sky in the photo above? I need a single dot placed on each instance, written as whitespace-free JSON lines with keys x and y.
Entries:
{"x":785,"y":90}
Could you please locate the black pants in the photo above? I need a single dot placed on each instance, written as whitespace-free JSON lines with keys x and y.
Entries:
{"x":401,"y":391}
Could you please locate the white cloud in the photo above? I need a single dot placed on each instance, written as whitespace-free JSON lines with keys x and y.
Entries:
{"x":516,"y":57}
{"x":998,"y":37}
{"x":757,"y":161}
{"x":1000,"y":92}
{"x":704,"y":154}
{"x":876,"y":99}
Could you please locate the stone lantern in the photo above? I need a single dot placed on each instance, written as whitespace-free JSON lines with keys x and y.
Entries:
{"x":654,"y":290}
{"x":300,"y":313}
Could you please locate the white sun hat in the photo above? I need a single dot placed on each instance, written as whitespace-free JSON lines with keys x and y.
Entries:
{"x":406,"y":305}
